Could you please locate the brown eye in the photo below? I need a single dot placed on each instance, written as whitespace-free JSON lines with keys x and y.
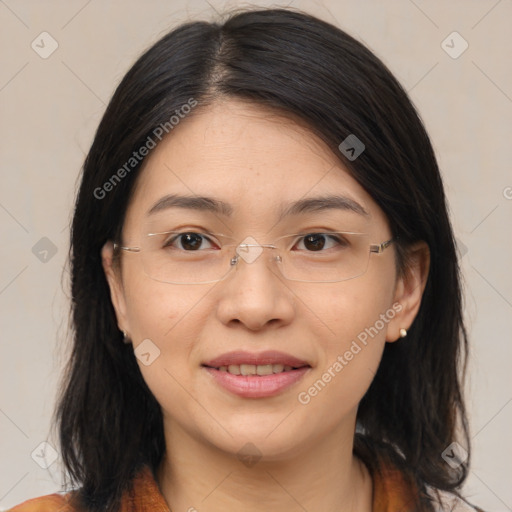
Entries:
{"x":314,"y":242}
{"x":318,"y":241}
{"x":187,"y":241}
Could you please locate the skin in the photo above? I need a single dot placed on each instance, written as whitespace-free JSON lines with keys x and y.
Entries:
{"x":256,"y":161}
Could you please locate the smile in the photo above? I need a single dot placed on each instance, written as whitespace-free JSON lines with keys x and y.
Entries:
{"x":248,"y":382}
{"x":252,"y":369}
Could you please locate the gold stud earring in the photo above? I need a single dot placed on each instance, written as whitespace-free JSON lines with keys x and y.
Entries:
{"x":403,"y":332}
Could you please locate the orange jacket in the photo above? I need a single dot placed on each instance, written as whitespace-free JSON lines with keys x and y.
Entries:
{"x":390,"y":494}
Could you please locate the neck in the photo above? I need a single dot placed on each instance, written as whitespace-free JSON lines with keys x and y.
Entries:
{"x":325,"y":478}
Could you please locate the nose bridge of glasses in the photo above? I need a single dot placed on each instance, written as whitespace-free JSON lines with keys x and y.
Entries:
{"x":250,"y":250}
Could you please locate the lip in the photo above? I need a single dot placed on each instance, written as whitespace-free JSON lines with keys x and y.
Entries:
{"x":260,"y":358}
{"x":254,"y":386}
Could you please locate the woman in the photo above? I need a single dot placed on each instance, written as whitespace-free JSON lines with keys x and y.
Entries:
{"x":262,"y":221}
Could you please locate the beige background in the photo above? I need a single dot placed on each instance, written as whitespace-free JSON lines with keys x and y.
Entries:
{"x":50,"y":109}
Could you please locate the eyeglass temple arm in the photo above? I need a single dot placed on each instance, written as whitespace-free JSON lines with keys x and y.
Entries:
{"x":131,"y":249}
{"x":378,"y":248}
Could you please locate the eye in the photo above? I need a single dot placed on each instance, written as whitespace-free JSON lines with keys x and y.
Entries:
{"x":318,"y":241}
{"x":187,"y":241}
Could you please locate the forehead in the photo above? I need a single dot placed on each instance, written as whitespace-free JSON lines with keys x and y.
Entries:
{"x":250,"y":158}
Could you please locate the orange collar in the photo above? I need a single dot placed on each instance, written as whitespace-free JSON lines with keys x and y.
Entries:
{"x":390,"y":493}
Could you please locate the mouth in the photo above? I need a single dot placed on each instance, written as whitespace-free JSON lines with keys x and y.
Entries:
{"x":253,"y":385}
{"x":251,"y":375}
{"x":259,"y":370}
{"x":255,"y":363}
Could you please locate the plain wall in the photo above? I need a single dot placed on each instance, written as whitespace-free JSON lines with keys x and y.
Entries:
{"x":49,"y":111}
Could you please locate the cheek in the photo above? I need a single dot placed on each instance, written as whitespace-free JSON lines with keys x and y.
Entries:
{"x":155,"y":310}
{"x":355,"y":317}
{"x":347,"y":309}
{"x":166,"y":322}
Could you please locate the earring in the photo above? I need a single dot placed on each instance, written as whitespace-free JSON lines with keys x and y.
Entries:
{"x":403,"y":332}
{"x":125,"y":337}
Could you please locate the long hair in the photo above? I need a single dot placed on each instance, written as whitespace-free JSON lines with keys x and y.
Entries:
{"x":109,"y":423}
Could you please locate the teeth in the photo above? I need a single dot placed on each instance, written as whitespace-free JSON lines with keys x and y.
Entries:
{"x":263,"y":369}
{"x":252,"y":369}
{"x":234,"y":369}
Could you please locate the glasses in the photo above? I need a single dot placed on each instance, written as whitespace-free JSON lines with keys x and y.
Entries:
{"x":188,"y":257}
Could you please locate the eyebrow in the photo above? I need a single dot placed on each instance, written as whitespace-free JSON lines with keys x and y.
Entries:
{"x":301,"y":206}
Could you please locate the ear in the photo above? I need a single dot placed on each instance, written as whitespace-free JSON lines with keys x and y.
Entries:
{"x":113,"y":275}
{"x":409,"y":290}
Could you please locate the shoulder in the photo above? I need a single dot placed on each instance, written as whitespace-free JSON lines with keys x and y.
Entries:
{"x":49,"y":503}
{"x":394,"y":490}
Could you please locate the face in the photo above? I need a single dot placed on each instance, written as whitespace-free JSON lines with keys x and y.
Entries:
{"x":258,"y":164}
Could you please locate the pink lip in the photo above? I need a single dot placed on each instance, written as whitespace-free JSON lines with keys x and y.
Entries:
{"x":261,"y":358}
{"x":254,"y":386}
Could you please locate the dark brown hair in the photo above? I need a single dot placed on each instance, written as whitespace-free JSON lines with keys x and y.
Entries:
{"x":108,"y":421}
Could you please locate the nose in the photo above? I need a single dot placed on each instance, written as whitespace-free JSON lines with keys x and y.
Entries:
{"x":254,"y":293}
